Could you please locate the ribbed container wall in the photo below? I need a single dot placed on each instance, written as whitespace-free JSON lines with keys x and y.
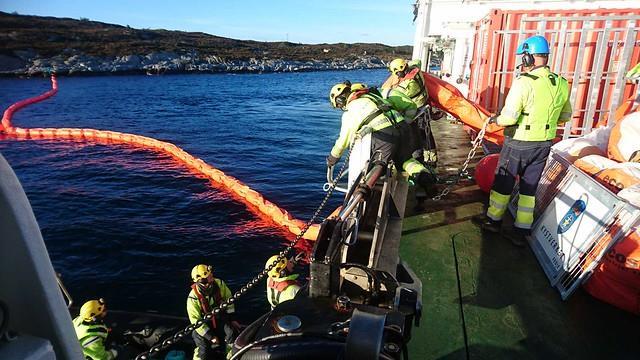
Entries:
{"x":591,"y":48}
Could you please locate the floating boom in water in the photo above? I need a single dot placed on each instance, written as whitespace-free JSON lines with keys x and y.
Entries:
{"x":257,"y":203}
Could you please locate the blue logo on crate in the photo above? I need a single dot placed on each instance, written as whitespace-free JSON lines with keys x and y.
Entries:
{"x":571,"y":216}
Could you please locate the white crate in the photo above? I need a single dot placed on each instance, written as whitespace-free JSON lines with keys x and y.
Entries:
{"x":577,"y":221}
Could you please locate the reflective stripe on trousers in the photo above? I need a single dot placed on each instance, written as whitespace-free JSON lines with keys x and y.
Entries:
{"x":524,"y":216}
{"x":497,"y":205}
{"x":413,"y":167}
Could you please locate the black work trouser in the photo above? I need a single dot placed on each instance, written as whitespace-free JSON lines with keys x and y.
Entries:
{"x":423,"y":128}
{"x":395,"y":143}
{"x":525,"y":159}
{"x":206,"y":350}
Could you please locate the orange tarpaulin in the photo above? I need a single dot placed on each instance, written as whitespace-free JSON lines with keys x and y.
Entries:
{"x":449,"y":98}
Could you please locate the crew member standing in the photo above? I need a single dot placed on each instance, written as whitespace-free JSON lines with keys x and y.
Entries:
{"x":211,"y":338}
{"x":537,"y":102}
{"x":411,"y":83}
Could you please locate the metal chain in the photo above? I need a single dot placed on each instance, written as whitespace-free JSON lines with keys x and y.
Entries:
{"x":243,"y":290}
{"x":463,"y":171}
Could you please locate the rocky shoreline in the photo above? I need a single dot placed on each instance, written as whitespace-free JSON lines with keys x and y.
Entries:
{"x":28,"y":63}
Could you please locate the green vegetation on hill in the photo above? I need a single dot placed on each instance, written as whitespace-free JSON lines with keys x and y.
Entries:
{"x":50,"y":36}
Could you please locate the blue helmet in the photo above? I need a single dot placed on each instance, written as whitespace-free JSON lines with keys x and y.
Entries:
{"x":534,"y":45}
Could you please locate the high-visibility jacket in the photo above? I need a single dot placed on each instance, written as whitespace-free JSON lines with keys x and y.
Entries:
{"x":537,"y":102}
{"x":364,"y":112}
{"x":199,"y":304}
{"x":401,"y":102}
{"x":412,"y":85}
{"x":92,"y":336}
{"x":282,"y":289}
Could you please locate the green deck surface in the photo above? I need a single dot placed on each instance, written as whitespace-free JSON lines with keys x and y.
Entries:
{"x":505,"y":305}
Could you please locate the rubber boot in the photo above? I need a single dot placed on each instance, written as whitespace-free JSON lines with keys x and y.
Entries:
{"x":486,"y":223}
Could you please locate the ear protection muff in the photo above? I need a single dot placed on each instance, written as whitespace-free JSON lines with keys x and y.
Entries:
{"x":527,"y":59}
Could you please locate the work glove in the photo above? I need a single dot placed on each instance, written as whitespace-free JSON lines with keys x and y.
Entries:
{"x":332,"y":160}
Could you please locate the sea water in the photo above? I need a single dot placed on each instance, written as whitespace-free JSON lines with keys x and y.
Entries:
{"x":128,"y":224}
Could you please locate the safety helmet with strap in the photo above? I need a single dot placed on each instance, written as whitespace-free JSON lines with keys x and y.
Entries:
{"x":279,"y":270}
{"x":534,"y":45}
{"x":358,"y":86}
{"x":397,"y":66}
{"x":339,"y":93}
{"x":201,"y":272}
{"x":92,"y":310}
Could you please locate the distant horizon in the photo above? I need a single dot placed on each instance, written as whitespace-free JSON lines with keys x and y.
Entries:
{"x":332,"y":22}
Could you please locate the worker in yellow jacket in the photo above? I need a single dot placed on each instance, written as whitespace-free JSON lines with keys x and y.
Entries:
{"x":410,"y":81}
{"x":282,"y":283}
{"x":365,"y":112}
{"x":536,"y":103}
{"x":92,"y":331}
{"x":213,"y":336}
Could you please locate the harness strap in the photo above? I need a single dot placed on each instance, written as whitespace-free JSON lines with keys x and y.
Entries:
{"x":204,"y":304}
{"x":553,"y":78}
{"x":530,"y":76}
{"x":382,"y":108}
{"x":276,"y":288}
{"x":412,"y":75}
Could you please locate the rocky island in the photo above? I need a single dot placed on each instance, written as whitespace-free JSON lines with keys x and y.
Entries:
{"x":35,"y":45}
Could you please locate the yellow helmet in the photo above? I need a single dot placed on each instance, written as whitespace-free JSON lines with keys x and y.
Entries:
{"x":278,"y":270}
{"x":397,"y":66}
{"x":93,"y":309}
{"x":358,"y":86}
{"x":200,"y":272}
{"x":338,"y":94}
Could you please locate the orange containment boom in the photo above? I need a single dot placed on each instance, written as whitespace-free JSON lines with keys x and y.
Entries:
{"x":255,"y":201}
{"x":449,"y":98}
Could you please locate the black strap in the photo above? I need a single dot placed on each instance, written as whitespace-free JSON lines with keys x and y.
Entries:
{"x":420,"y":81}
{"x":274,"y":300}
{"x":216,"y":292}
{"x":275,"y":296}
{"x":530,"y":76}
{"x":528,"y":127}
{"x":382,"y":108}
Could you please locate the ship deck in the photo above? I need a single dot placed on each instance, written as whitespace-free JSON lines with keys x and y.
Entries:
{"x":484,"y":298}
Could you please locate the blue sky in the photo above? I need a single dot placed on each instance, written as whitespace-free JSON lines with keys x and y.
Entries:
{"x":330,"y":21}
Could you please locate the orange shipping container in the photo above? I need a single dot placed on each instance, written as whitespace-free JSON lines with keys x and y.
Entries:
{"x":590,"y":48}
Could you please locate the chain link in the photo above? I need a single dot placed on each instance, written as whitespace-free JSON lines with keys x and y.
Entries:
{"x":243,"y":290}
{"x":463,"y":171}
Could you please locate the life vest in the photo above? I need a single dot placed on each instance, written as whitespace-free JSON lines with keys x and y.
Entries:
{"x":419,"y":97}
{"x":204,"y":303}
{"x":382,"y":108}
{"x":91,"y":336}
{"x":538,"y":121}
{"x":276,"y":288}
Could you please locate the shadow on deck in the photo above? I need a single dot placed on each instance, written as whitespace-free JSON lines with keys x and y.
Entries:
{"x":483,"y":298}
